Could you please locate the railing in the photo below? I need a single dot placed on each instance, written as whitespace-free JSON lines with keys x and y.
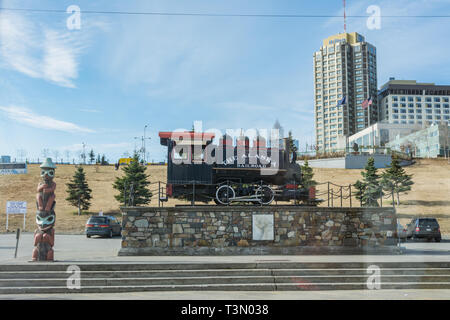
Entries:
{"x":362,"y":150}
{"x":340,"y":193}
{"x":333,"y":195}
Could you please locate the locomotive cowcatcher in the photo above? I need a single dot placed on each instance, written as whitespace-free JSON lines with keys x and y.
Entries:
{"x":200,"y":171}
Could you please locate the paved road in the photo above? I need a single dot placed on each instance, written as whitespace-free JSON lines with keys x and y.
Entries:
{"x":78,"y":248}
{"x":431,"y":294}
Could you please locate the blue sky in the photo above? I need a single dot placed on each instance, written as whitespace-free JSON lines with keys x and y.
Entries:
{"x":102,"y":84}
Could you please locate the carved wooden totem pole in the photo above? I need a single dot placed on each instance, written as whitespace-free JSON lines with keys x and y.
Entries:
{"x":44,"y":236}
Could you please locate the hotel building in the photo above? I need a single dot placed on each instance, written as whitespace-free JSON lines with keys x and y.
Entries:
{"x":410,"y":102}
{"x":345,"y":66}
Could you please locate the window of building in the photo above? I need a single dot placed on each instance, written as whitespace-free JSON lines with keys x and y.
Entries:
{"x":446,"y":105}
{"x":445,"y":99}
{"x":429,"y":111}
{"x":402,"y":99}
{"x":411,"y":105}
{"x":437,"y":99}
{"x":403,"y":105}
{"x":438,"y":117}
{"x":418,"y":99}
{"x":410,"y":110}
{"x":394,"y":110}
{"x":437,"y":111}
{"x":428,"y":99}
{"x":411,"y":116}
{"x":419,"y":117}
{"x":437,"y":105}
{"x":428,"y":105}
{"x":418,"y":111}
{"x":429,"y":117}
{"x":418,"y":105}
{"x":403,"y":117}
{"x":395,"y":116}
{"x":410,"y":99}
{"x":394,"y":98}
{"x":402,"y":110}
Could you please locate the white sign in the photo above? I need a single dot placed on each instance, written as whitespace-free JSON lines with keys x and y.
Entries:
{"x":16,"y":207}
{"x":263,"y":227}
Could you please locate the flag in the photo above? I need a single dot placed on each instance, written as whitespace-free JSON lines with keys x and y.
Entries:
{"x":366,"y":103}
{"x":341,"y":102}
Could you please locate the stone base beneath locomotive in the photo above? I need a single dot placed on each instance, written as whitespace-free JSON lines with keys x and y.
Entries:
{"x":257,"y":230}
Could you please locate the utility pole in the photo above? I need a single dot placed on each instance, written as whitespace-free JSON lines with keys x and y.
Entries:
{"x":143,"y":146}
{"x":84,"y":153}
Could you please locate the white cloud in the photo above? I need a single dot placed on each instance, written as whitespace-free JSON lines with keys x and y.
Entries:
{"x":37,"y":51}
{"x":26,"y":116}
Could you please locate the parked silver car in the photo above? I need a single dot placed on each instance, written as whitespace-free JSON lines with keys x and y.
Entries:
{"x":106,"y":226}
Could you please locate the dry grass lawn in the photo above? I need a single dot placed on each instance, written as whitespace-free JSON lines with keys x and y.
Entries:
{"x":430,"y":195}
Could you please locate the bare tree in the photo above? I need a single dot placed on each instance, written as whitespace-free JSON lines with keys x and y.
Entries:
{"x":45,"y":153}
{"x":56,"y":155}
{"x":67,"y":155}
{"x":21,"y":153}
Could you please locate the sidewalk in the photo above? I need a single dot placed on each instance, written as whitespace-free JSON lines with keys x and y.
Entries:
{"x":79,"y":249}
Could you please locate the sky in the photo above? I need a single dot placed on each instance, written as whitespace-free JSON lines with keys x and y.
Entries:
{"x":104,"y":83}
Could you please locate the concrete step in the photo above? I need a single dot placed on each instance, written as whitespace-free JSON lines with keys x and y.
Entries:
{"x":56,"y":266}
{"x":127,"y":277}
{"x":224,"y":287}
{"x":220,"y":280}
{"x":218,"y":272}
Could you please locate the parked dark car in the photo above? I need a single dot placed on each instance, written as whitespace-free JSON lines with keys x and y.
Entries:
{"x":106,"y":226}
{"x":424,"y":228}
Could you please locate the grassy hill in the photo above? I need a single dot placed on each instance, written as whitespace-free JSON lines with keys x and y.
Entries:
{"x":430,"y":195}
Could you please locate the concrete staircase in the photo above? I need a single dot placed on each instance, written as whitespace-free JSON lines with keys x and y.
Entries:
{"x":265,"y":276}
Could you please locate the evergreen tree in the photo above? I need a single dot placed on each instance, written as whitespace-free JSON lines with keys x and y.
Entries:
{"x":91,"y":156}
{"x":133,"y":186}
{"x":78,"y":190}
{"x":394,"y":179}
{"x":103,"y":161}
{"x":307,"y":176}
{"x":359,"y":186}
{"x":99,"y":161}
{"x":290,"y":142}
{"x":369,"y":190}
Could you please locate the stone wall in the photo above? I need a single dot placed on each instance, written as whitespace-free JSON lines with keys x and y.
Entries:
{"x":229,"y":230}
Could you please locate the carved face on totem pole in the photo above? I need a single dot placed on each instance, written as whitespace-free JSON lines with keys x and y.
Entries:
{"x":45,"y":198}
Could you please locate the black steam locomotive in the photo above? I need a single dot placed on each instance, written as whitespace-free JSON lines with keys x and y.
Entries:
{"x":198,"y":170}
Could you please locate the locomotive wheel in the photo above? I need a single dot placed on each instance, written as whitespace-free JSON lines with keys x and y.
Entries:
{"x":266,"y":194}
{"x":224,"y":194}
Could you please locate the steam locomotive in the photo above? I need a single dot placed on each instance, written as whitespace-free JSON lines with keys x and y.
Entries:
{"x":200,"y":171}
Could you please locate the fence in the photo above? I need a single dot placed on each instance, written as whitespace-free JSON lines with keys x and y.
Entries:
{"x":335,"y":195}
{"x":362,"y":150}
{"x":331,"y":194}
